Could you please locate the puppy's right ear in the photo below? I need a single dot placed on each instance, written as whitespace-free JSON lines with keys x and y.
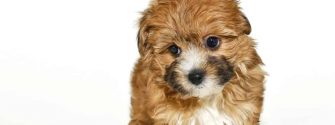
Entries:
{"x":142,"y":43}
{"x":143,"y":34}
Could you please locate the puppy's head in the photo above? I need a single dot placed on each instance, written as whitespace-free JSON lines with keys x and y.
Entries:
{"x":196,"y":45}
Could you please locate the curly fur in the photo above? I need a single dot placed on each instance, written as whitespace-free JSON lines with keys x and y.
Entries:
{"x":186,"y":22}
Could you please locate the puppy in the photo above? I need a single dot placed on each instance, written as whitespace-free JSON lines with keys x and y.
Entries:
{"x":197,"y":66}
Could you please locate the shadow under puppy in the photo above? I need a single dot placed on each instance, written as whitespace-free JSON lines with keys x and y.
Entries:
{"x":198,"y":66}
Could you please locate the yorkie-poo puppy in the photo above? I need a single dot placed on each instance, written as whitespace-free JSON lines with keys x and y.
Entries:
{"x":197,"y":66}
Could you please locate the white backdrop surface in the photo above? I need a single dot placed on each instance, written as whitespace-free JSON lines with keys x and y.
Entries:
{"x":68,"y":62}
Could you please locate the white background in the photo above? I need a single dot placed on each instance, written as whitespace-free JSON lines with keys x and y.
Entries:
{"x":68,"y":62}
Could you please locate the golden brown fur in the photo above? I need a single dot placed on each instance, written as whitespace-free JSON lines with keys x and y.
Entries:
{"x":186,"y":22}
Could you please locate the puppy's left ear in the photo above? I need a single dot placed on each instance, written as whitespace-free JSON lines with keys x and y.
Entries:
{"x":245,"y":25}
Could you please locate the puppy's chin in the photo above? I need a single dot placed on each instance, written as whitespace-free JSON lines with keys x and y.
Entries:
{"x":209,"y":87}
{"x":204,"y":91}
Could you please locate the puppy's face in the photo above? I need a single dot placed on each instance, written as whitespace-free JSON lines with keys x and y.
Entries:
{"x":192,"y":43}
{"x":197,"y":70}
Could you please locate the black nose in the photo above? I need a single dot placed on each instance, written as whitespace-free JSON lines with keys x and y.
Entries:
{"x":196,"y":76}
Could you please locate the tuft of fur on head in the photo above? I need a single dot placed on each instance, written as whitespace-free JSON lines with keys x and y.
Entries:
{"x":200,"y":84}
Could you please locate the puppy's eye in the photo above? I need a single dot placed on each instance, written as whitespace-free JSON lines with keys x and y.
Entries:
{"x":175,"y":50}
{"x":212,"y":42}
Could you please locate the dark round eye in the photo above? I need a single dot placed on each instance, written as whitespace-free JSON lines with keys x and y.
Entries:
{"x":212,"y":42}
{"x":174,"y":49}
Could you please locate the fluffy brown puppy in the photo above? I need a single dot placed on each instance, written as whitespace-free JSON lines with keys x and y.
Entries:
{"x":198,"y":66}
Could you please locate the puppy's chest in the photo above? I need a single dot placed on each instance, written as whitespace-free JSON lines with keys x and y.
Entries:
{"x":207,"y":115}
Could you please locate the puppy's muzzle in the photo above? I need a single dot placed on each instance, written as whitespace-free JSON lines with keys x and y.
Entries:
{"x":198,"y":73}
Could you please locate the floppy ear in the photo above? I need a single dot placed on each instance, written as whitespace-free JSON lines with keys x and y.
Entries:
{"x":245,"y":25}
{"x":142,"y":43}
{"x":143,"y":34}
